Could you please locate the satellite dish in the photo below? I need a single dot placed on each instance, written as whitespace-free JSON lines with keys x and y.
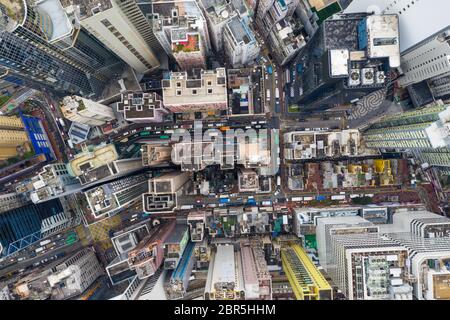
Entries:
{"x":224,"y":14}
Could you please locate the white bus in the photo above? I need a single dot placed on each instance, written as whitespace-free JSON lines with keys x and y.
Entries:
{"x":43,"y":243}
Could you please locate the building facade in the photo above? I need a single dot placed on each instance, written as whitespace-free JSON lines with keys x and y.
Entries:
{"x":44,"y":46}
{"x":181,"y":29}
{"x":425,"y":130}
{"x":123,"y":28}
{"x":12,"y":137}
{"x":78,"y":109}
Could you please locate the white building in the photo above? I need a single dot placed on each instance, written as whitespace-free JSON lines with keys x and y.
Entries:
{"x":240,"y":44}
{"x":411,"y":15}
{"x":123,"y":28}
{"x":86,"y":111}
{"x":429,"y":59}
{"x":52,"y":181}
{"x":112,"y":197}
{"x":225,"y":279}
{"x":141,"y":107}
{"x":75,"y":275}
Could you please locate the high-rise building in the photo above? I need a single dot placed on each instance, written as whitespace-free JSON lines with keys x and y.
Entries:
{"x":146,"y":258}
{"x":43,"y":45}
{"x":228,"y":25}
{"x":52,"y":181}
{"x":364,"y":264}
{"x":154,"y":155}
{"x":75,"y":275}
{"x":322,"y":144}
{"x":349,"y":57}
{"x":285,"y":26}
{"x":164,"y":191}
{"x":199,"y":91}
{"x":225,"y":279}
{"x":11,"y":201}
{"x":409,"y":13}
{"x":217,"y":13}
{"x":86,"y":111}
{"x":241,"y":47}
{"x":22,"y":226}
{"x":65,"y":280}
{"x":12,"y":137}
{"x":122,"y":27}
{"x":110,"y":198}
{"x":425,"y":66}
{"x":429,"y":59}
{"x":141,"y":107}
{"x":426,"y":235}
{"x":424,"y":131}
{"x":100,"y":164}
{"x":181,"y":29}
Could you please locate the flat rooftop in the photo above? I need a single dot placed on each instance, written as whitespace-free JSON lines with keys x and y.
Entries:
{"x":88,"y":7}
{"x":61,"y":25}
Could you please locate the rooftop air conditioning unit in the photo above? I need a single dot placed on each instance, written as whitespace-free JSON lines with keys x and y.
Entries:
{"x":380,"y":77}
{"x":355,"y":77}
{"x":368,"y":76}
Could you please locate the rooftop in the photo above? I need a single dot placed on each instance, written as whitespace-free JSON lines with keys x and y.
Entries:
{"x":88,"y":7}
{"x":61,"y":25}
{"x":240,"y":31}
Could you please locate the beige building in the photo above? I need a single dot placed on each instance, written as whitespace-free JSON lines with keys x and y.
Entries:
{"x":199,"y":91}
{"x":101,"y":163}
{"x":164,"y":191}
{"x":86,"y":111}
{"x":12,"y":136}
{"x":155,"y":155}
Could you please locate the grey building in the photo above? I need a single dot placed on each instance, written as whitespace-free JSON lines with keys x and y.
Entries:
{"x":43,"y":45}
{"x":349,"y":57}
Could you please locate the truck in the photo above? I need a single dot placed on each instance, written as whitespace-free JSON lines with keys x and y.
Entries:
{"x":320,"y":198}
{"x":297,"y":199}
{"x":338,"y":197}
{"x":268,"y":94}
{"x":307,"y":198}
{"x":70,"y":143}
{"x":277,"y":93}
{"x":224,"y":200}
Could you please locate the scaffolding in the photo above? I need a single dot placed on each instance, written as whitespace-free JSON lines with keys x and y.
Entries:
{"x":306,"y":280}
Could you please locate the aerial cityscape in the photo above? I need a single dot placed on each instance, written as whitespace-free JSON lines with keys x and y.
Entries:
{"x":224,"y":150}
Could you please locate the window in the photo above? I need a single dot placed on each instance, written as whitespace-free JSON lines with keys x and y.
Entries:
{"x":209,"y":83}
{"x":178,"y":92}
{"x":194,"y":91}
{"x":178,"y":84}
{"x":210,"y":91}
